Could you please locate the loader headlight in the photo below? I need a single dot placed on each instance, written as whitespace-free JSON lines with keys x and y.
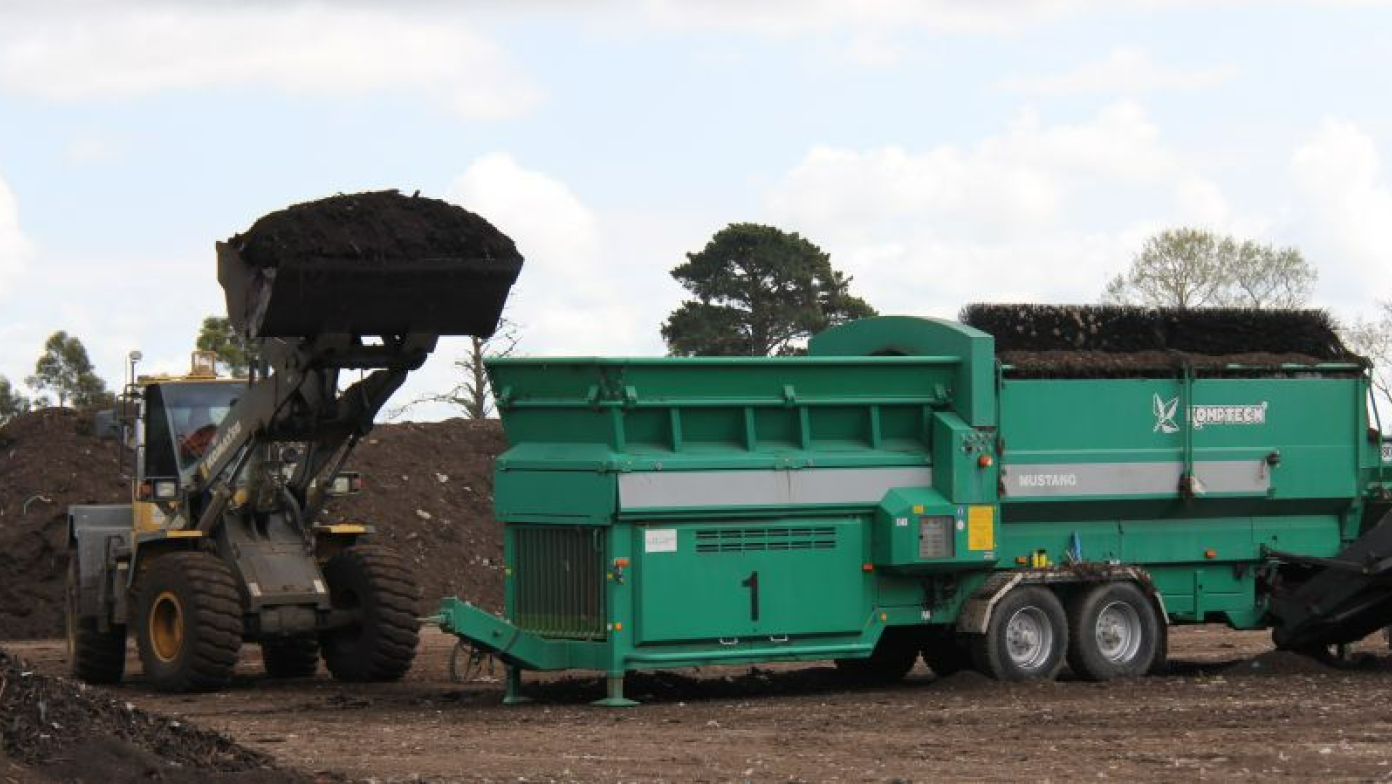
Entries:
{"x":346,"y":483}
{"x":159,"y":490}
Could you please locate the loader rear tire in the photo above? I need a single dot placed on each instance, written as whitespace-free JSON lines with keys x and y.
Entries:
{"x":1113,"y":632}
{"x":291,"y":657}
{"x":893,"y":657}
{"x":373,"y":582}
{"x":188,"y":622}
{"x":94,"y":656}
{"x":1025,"y":638}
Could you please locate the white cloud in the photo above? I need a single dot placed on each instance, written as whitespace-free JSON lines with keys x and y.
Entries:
{"x":15,"y":248}
{"x":790,"y":17}
{"x":1038,"y":212}
{"x":1343,"y":214}
{"x":1126,"y":71}
{"x":76,"y":51}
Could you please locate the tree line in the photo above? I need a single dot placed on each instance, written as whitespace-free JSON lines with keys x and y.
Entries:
{"x":756,"y":290}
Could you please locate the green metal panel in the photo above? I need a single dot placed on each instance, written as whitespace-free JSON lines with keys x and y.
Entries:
{"x":553,"y":496}
{"x":745,"y":578}
{"x":973,"y":385}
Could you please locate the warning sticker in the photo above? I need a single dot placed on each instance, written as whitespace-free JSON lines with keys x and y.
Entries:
{"x":660,"y":540}
{"x":981,"y":528}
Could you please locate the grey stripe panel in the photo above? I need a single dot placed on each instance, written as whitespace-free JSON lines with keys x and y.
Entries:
{"x":769,"y":487}
{"x":1087,"y":479}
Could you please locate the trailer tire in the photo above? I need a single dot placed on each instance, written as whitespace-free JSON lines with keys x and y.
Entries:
{"x":1113,"y":632}
{"x":189,"y":622}
{"x":290,"y":657}
{"x":380,"y":645}
{"x":895,"y":654}
{"x":1025,"y":638}
{"x":94,"y":656}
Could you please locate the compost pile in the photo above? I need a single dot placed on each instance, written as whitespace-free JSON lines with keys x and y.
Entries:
{"x":1115,"y":340}
{"x":49,"y":459}
{"x":379,"y":225}
{"x":429,"y":492}
{"x":67,"y":732}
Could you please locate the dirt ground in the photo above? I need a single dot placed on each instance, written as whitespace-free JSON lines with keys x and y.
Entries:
{"x":1216,"y":716}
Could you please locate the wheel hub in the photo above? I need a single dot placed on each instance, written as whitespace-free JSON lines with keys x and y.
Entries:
{"x":1029,"y":638}
{"x":166,"y":626}
{"x":1118,"y":632}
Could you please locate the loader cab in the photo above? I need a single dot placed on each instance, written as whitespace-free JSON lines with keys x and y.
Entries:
{"x":176,"y":420}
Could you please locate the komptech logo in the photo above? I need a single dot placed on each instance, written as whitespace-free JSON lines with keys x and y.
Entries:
{"x":1164,"y":411}
{"x":1202,"y":416}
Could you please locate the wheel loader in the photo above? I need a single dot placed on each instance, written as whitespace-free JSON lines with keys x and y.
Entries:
{"x":221,"y":542}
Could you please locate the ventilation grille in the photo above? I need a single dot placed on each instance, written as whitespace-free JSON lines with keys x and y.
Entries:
{"x":558,"y":583}
{"x":743,"y":540}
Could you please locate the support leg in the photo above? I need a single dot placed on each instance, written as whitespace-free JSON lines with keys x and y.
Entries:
{"x":513,"y":695}
{"x":616,"y":697}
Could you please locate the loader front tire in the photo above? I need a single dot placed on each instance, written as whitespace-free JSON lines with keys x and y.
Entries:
{"x":189,"y":622}
{"x":290,"y":657}
{"x":94,"y":656}
{"x":374,"y":584}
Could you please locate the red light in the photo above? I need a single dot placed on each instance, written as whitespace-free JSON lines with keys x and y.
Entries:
{"x":985,"y":461}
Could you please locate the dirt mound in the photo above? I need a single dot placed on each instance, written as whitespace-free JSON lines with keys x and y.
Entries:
{"x":67,"y":732}
{"x":1279,"y":663}
{"x":49,"y":459}
{"x":964,"y":682}
{"x":380,"y":225}
{"x":429,"y":492}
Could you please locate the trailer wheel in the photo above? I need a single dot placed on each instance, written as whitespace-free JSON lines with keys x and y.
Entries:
{"x":893,"y":657}
{"x":1113,"y":632}
{"x":189,"y":627}
{"x":94,"y":656}
{"x":374,"y":583}
{"x":290,"y":657}
{"x":946,"y":655}
{"x":1025,"y":638}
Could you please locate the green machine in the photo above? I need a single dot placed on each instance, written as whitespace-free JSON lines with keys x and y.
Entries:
{"x":906,"y":490}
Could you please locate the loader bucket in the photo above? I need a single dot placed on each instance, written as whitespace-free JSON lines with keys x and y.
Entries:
{"x":305,"y":296}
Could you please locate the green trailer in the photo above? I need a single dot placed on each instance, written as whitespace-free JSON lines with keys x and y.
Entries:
{"x":900,"y":491}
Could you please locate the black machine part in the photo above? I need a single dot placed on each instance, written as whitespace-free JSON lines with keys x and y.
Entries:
{"x":1319,"y":602}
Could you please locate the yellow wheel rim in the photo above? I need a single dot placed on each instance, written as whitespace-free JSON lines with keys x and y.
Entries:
{"x":166,"y":626}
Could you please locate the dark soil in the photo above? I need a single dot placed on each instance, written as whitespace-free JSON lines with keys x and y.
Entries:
{"x":67,"y":732}
{"x":1215,"y":332}
{"x":380,"y":225}
{"x":1151,"y":364}
{"x":429,"y":493}
{"x":49,"y":460}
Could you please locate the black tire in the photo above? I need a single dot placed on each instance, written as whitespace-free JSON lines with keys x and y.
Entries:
{"x":946,"y":654}
{"x":94,"y":656}
{"x":380,"y":645}
{"x":1113,"y":632}
{"x":1026,"y":637}
{"x":189,"y":622}
{"x":893,"y":657}
{"x":290,"y":657}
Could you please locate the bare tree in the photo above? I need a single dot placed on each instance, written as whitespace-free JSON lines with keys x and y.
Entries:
{"x":1194,"y":268}
{"x":472,"y":394}
{"x":1372,"y":338}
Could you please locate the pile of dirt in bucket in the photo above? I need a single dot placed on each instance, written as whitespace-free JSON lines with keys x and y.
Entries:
{"x":429,"y":493}
{"x":375,"y":226}
{"x":54,"y":729}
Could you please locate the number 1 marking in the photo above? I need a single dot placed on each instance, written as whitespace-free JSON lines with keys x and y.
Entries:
{"x":752,"y":583}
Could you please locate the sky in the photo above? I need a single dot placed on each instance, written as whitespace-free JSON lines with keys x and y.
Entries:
{"x":942,"y":152}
